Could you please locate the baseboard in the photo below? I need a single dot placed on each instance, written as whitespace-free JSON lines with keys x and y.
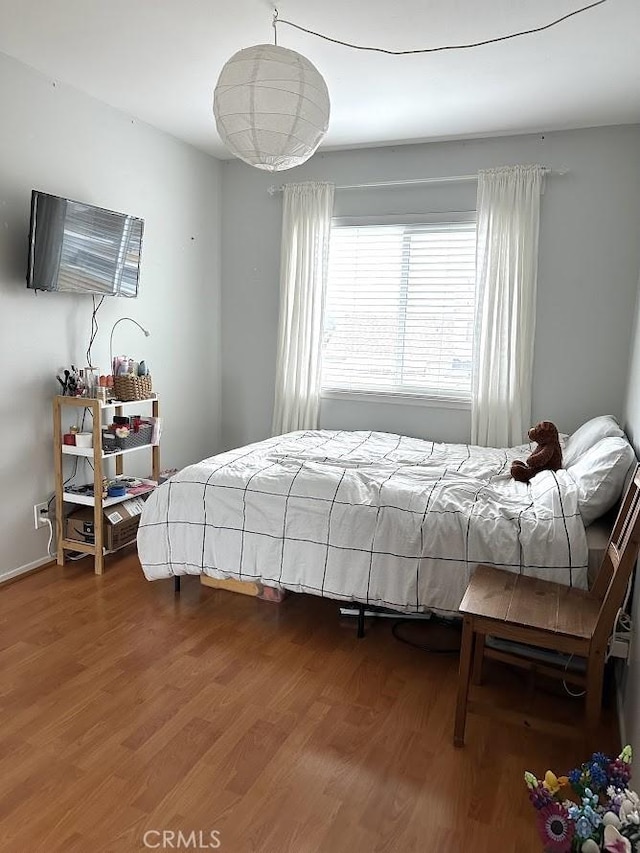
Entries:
{"x":24,"y":570}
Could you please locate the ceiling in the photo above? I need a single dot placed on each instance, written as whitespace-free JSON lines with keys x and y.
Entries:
{"x":158,"y":60}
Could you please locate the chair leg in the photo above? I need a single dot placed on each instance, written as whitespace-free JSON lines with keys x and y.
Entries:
{"x":609,"y":684}
{"x":595,"y":677}
{"x":478,"y":658}
{"x":464,"y":676}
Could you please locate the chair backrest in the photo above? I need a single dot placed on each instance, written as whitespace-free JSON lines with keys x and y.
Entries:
{"x":619,"y":559}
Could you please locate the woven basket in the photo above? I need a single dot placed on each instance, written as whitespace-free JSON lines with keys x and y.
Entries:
{"x":130,"y":387}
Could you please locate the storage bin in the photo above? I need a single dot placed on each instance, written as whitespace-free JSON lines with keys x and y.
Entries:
{"x":111,"y":442}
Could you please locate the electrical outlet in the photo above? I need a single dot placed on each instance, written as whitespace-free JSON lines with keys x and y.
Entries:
{"x":40,"y":514}
{"x":619,"y":647}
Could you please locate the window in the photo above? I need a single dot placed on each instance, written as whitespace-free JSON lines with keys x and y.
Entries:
{"x":399,"y":312}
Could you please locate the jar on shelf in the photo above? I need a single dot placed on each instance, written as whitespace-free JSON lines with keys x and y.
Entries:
{"x":91,"y":381}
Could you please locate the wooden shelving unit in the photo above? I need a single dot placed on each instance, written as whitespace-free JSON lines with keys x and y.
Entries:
{"x":97,"y":457}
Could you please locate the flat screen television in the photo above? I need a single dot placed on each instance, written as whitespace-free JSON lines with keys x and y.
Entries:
{"x":80,"y":248}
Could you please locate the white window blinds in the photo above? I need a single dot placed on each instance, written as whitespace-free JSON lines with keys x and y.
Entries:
{"x":399,"y":312}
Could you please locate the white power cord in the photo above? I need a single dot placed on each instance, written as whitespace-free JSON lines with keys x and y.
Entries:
{"x":620,"y":639}
{"x":625,"y":622}
{"x":79,"y":556}
{"x":564,"y":683}
{"x":48,"y":521}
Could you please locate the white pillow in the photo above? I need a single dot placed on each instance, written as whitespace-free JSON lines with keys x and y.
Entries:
{"x":587,"y":435}
{"x":600,"y":475}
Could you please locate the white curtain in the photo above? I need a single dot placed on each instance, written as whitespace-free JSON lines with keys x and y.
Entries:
{"x":306,"y":225}
{"x":508,"y":215}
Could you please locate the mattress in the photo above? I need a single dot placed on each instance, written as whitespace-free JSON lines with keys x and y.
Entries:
{"x":598,"y":535}
{"x":371,"y":517}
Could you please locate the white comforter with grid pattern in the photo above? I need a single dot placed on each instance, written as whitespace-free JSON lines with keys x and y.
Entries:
{"x":363,"y":516}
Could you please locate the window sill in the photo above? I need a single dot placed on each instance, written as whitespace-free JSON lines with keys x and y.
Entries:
{"x":429,"y":401}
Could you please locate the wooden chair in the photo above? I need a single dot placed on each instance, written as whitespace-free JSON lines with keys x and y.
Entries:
{"x":550,"y":616}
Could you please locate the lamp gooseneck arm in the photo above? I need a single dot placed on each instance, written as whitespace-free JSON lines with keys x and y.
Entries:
{"x":121,"y":320}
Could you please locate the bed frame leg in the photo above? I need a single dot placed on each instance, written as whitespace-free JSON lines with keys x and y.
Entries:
{"x":360,"y":621}
{"x":176,"y":584}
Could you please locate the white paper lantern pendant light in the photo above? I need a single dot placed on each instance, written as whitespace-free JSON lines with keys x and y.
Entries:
{"x":271,"y":107}
{"x":271,"y":104}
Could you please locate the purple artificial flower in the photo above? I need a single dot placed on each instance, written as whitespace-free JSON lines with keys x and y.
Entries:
{"x":598,"y":776}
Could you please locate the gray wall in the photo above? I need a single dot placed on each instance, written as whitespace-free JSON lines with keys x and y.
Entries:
{"x":55,"y":139}
{"x":587,"y":275}
{"x":630,"y":676}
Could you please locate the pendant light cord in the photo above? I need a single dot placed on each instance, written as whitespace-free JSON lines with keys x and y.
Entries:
{"x":277,"y":20}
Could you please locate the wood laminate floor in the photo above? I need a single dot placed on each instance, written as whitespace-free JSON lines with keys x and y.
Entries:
{"x":127,"y":710}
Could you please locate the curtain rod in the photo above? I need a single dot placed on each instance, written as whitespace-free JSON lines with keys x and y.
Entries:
{"x":452,"y":179}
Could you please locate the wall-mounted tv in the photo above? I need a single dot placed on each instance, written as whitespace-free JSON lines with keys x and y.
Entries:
{"x":79,"y":248}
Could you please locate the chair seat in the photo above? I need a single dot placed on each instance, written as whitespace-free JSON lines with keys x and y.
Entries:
{"x":502,"y":596}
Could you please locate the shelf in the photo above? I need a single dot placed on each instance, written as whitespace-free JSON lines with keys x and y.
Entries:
{"x":88,"y":401}
{"x":88,"y":506}
{"x":72,"y":450}
{"x":115,"y":403}
{"x":87,"y":500}
{"x":73,"y":545}
{"x":86,"y":548}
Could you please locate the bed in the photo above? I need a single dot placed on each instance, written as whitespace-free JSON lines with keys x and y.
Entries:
{"x":374,"y":518}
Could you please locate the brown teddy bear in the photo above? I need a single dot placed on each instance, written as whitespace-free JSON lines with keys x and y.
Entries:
{"x":546,"y":457}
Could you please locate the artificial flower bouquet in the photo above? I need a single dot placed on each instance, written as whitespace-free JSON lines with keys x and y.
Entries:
{"x":590,"y":810}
